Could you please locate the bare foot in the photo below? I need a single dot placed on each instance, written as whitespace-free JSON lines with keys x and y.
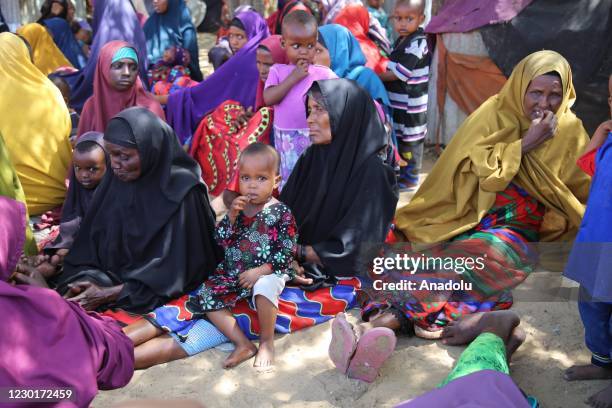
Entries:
{"x":462,"y":331}
{"x":603,"y":399}
{"x":240,"y":354}
{"x":264,"y":360}
{"x":517,"y":337}
{"x":587,"y":372}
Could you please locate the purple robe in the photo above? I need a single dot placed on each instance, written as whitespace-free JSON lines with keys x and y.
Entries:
{"x":237,"y":80}
{"x":47,"y":341}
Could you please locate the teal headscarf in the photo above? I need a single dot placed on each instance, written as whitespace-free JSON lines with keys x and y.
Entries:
{"x":125,"y":52}
{"x":348,"y":61}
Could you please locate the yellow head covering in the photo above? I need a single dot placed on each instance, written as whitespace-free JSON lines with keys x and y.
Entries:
{"x":35,"y":125}
{"x":484,"y":156}
{"x":47,"y":57}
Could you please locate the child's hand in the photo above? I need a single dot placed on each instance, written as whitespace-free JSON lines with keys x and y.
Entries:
{"x":301,"y":70}
{"x":247,"y":279}
{"x":237,"y":205}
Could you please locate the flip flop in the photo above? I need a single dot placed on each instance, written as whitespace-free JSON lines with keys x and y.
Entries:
{"x":343,"y":343}
{"x":373,"y":349}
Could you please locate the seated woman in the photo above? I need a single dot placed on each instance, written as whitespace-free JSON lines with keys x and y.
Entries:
{"x":113,"y":20}
{"x":116,"y":87}
{"x":66,"y":348}
{"x":357,"y":19}
{"x":513,"y":180}
{"x":148,"y":234}
{"x":338,"y":49}
{"x":171,"y":25}
{"x":38,"y":145}
{"x":236,"y":80}
{"x":47,"y":57}
{"x":331,"y":186}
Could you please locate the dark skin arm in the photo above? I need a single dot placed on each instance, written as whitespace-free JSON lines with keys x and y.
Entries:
{"x":91,"y":296}
{"x":387,"y":76}
{"x":600,"y":136}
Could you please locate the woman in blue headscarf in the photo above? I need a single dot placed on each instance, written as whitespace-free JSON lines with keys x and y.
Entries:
{"x":65,"y":41}
{"x":169,"y":26}
{"x":340,"y":50}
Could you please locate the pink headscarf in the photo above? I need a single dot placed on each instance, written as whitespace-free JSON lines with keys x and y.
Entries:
{"x":47,"y":341}
{"x":106,"y":102}
{"x":279,"y":56}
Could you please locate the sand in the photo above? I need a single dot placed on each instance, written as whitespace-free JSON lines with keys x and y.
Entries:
{"x":305,"y":377}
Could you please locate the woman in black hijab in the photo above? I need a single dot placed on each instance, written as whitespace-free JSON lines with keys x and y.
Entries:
{"x":342,"y":192}
{"x":148,"y":237}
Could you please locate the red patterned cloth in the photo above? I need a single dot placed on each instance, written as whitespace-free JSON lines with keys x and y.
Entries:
{"x":217,"y":142}
{"x":586,"y":162}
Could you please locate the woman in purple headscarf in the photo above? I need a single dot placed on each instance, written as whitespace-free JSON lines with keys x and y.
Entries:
{"x":112,"y":20}
{"x":235,"y":80}
{"x":46,"y":341}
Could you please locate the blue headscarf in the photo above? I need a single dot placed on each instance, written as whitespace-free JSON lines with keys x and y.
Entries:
{"x":65,"y":41}
{"x":348,"y":61}
{"x":174,"y":27}
{"x":591,"y":256}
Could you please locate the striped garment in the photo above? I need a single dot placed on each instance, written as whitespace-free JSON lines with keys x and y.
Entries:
{"x":410,"y":61}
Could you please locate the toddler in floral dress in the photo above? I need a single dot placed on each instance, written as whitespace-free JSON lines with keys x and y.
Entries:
{"x":259,"y":236}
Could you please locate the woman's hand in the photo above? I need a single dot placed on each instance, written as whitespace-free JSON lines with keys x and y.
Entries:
{"x":311,"y":256}
{"x":91,"y":296}
{"x":28,"y":275}
{"x":541,"y":130}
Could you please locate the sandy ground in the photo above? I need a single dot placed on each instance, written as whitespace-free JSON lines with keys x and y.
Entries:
{"x":306,"y":378}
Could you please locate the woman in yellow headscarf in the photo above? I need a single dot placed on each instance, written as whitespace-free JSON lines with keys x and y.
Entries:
{"x":35,"y":125}
{"x":47,"y":57}
{"x":507,"y":178}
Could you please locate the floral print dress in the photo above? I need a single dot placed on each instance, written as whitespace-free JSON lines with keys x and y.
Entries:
{"x":270,"y":237}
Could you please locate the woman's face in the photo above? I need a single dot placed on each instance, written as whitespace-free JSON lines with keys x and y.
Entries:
{"x":57,"y":8}
{"x":125,"y":162}
{"x":322,"y":56}
{"x":160,"y":6}
{"x":318,"y":123}
{"x":123,"y":74}
{"x":71,"y":11}
{"x":544,"y":93}
{"x":264,"y":63}
{"x":237,"y":38}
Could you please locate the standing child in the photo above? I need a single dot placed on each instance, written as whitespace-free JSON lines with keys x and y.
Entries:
{"x":376,"y":10}
{"x":589,"y":264}
{"x":260,"y":241}
{"x":407,"y":80}
{"x":287,"y":85}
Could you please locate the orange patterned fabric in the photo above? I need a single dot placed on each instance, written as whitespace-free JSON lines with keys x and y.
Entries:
{"x":217,"y":142}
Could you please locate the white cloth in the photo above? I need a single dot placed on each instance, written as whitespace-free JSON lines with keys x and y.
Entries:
{"x":270,"y":287}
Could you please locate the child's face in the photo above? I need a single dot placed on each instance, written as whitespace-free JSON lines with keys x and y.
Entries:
{"x":299,"y":42}
{"x":264,"y":62}
{"x":160,"y":6}
{"x":169,"y":54}
{"x":258,"y":177}
{"x":407,"y":19}
{"x":89,"y":167}
{"x":322,"y":56}
{"x":83,"y":35}
{"x":237,"y":38}
{"x":123,"y":74}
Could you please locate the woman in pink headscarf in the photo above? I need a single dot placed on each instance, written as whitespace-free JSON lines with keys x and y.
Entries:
{"x":116,"y":87}
{"x":46,"y":341}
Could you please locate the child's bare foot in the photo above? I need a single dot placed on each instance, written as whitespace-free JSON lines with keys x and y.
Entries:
{"x":517,"y":337}
{"x":264,"y":360}
{"x":587,"y":372}
{"x":602,"y":399}
{"x":500,"y":322}
{"x":240,"y":354}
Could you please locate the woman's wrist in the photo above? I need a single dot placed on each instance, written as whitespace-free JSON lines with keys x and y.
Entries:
{"x":112,"y":293}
